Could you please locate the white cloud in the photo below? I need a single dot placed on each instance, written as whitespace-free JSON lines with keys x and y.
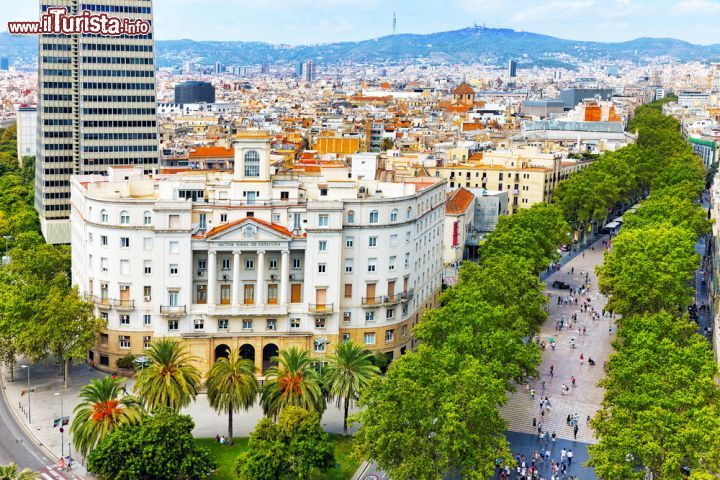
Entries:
{"x":558,"y":8}
{"x":694,"y":7}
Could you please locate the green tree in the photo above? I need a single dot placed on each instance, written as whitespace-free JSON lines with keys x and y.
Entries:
{"x":231,"y":386}
{"x":349,"y":371}
{"x":435,"y":414}
{"x":170,"y":379}
{"x":649,"y":270}
{"x":160,"y":447}
{"x":11,"y":472}
{"x":294,"y":447}
{"x":670,"y":210}
{"x":292,"y":382}
{"x":102,"y":409}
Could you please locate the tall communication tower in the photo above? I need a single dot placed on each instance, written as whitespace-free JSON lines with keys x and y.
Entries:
{"x":394,"y":22}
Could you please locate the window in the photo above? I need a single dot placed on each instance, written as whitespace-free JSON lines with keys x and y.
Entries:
{"x":322,"y":246}
{"x":147,"y":293}
{"x":202,"y":264}
{"x":323,"y":192}
{"x":247,"y":325}
{"x":351,"y":217}
{"x":173,"y":269}
{"x":147,"y":340}
{"x":372,"y":242}
{"x":147,"y":243}
{"x":103,"y":240}
{"x":407,"y":260}
{"x":104,"y":360}
{"x":389,"y":335}
{"x":225,"y":264}
{"x":124,"y":267}
{"x":390,"y":313}
{"x":124,"y":319}
{"x":90,"y":237}
{"x":174,"y":221}
{"x":391,"y":263}
{"x":348,"y":265}
{"x":252,"y":164}
{"x":403,"y":331}
{"x":393,"y":240}
{"x":124,"y":242}
{"x":201,"y":294}
{"x":370,"y":316}
{"x":222,"y":324}
{"x":223,"y":217}
{"x":320,"y":322}
{"x":294,"y":323}
{"x":276,"y":218}
{"x":321,"y":268}
{"x":272,"y":294}
{"x":249,"y":264}
{"x":409,"y":213}
{"x":147,"y":218}
{"x":348,"y":290}
{"x":372,"y":264}
{"x":124,"y":218}
{"x":346,"y":337}
{"x":405,"y":309}
{"x":103,"y":264}
{"x":147,"y":319}
{"x":374,"y":216}
{"x":272,"y":263}
{"x":124,"y":341}
{"x":296,"y":263}
{"x":147,"y":267}
{"x":271,"y":324}
{"x":323,"y":220}
{"x":394,"y":216}
{"x":104,"y":218}
{"x":320,"y":346}
{"x":369,"y":338}
{"x":174,"y":247}
{"x":199,"y":324}
{"x":349,"y":241}
{"x":172,"y":325}
{"x":284,"y":195}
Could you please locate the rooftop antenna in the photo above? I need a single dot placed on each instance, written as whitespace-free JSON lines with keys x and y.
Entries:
{"x":394,"y":22}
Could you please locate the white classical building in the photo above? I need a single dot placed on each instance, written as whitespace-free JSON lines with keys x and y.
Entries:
{"x":256,"y":260}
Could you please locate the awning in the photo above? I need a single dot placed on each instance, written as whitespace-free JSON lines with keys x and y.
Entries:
{"x":612,"y":225}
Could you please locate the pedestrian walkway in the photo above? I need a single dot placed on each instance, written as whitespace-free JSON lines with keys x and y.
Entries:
{"x":585,"y":398}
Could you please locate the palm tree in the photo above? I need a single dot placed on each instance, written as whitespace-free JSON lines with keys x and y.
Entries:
{"x":293,"y":382}
{"x":10,"y":472}
{"x":231,"y":385}
{"x":101,"y":411}
{"x":170,"y":379}
{"x":349,"y":370}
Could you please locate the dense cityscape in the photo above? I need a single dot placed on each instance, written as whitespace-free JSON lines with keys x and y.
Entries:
{"x":473,"y":254}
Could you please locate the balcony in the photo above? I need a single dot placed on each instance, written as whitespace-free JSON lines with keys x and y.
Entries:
{"x":372,"y":301}
{"x":392,"y":299}
{"x":320,"y":308}
{"x":124,"y":304}
{"x":407,"y":295}
{"x":101,"y":302}
{"x":173,"y":310}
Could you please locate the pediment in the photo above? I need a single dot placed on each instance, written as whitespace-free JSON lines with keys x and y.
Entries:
{"x":248,"y":229}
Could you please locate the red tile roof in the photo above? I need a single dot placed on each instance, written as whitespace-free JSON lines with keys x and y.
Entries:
{"x":221,"y":228}
{"x":463,"y":89}
{"x":459,"y":201}
{"x":212,"y":152}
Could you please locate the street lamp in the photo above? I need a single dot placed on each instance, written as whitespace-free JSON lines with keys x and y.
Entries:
{"x":142,"y":361}
{"x":62,"y":430}
{"x":320,"y":344}
{"x":28,"y":393}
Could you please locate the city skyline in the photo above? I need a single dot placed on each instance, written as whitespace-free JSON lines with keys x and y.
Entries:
{"x":302,"y":22}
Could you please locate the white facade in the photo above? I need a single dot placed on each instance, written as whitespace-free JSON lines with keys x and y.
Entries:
{"x":255,"y":261}
{"x":26,"y":117}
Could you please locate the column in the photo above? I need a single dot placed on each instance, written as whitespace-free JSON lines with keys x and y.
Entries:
{"x":211,"y":278}
{"x":260,"y":285}
{"x":284,"y":277}
{"x":236,"y":287}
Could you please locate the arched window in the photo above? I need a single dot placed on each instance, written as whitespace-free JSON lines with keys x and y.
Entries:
{"x":252,"y":164}
{"x":124,"y":218}
{"x":409,"y":213}
{"x":147,"y":218}
{"x":374,"y":216}
{"x":104,"y":216}
{"x":394,"y":215}
{"x":351,"y":217}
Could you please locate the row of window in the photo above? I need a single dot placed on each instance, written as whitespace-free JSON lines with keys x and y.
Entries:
{"x":119,"y":60}
{"x":115,"y":86}
{"x":50,"y":134}
{"x":114,"y":8}
{"x":57,"y":85}
{"x":124,"y":220}
{"x":62,"y":47}
{"x":118,"y":111}
{"x":57,"y":121}
{"x":149,"y":161}
{"x":57,"y":109}
{"x":57,"y":159}
{"x":119,"y":98}
{"x":119,"y":148}
{"x":58,"y":146}
{"x":119,"y":123}
{"x":91,"y":72}
{"x":57,"y":72}
{"x":120,"y":136}
{"x":63,"y":60}
{"x":114,"y":47}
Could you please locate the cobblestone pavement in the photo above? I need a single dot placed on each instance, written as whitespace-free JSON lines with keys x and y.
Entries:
{"x":585,"y":398}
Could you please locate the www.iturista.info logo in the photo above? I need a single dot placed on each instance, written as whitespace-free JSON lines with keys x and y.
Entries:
{"x":57,"y":20}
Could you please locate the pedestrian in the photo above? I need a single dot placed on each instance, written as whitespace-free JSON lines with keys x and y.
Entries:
{"x":587,"y":420}
{"x":542,"y":384}
{"x":582,"y":358}
{"x":552,"y":368}
{"x":553,"y":436}
{"x":572,"y":270}
{"x":572,"y":379}
{"x":546,"y":436}
{"x":532,"y":393}
{"x":567,"y":420}
{"x":534,"y":422}
{"x":575,"y":430}
{"x":547,"y":454}
{"x":563,"y":454}
{"x":570,"y":457}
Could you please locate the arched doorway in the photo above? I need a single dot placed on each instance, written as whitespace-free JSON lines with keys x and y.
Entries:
{"x":247,"y":352}
{"x":269,"y":351}
{"x":222,"y":351}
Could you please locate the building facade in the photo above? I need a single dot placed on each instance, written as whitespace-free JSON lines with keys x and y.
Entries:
{"x":26,"y":117}
{"x":96,"y":108}
{"x":255,"y":261}
{"x":194,"y":92}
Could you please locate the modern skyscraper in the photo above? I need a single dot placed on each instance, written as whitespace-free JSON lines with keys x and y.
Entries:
{"x":96,"y":107}
{"x":309,"y":71}
{"x":512,"y":68}
{"x":4,"y":63}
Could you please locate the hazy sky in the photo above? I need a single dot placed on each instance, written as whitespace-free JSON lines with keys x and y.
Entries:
{"x":317,"y":21}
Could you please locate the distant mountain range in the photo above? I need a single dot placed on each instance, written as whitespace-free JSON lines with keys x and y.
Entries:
{"x":492,"y":46}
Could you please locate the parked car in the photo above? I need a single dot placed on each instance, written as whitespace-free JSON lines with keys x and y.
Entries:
{"x":560,"y":285}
